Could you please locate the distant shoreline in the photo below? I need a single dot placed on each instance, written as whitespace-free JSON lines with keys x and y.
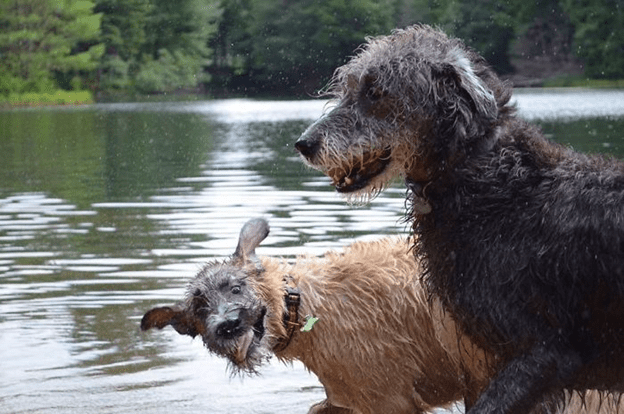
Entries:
{"x":71,"y":98}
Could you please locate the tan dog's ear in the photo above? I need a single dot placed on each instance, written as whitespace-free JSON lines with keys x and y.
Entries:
{"x":177,"y":317}
{"x":251,"y":235}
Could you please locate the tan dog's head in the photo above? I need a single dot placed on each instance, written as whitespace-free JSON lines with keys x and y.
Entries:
{"x":223,"y":307}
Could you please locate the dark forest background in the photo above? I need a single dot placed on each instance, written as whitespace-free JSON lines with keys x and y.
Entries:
{"x":118,"y":49}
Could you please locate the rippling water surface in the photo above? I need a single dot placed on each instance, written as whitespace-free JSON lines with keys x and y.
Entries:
{"x":108,"y":210}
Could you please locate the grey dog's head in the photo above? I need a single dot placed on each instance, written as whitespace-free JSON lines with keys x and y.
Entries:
{"x":222,"y":306}
{"x":406,"y":105}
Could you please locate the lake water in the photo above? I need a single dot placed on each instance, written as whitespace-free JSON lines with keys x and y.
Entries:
{"x":108,"y":210}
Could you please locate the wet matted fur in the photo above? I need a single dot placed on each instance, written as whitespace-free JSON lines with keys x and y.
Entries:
{"x":521,"y":239}
{"x":378,"y":347}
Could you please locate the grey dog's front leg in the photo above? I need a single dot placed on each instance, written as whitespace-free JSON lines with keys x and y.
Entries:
{"x":526,"y":381}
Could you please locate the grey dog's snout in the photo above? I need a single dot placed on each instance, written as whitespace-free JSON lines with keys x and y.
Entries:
{"x":309,"y":143}
{"x":225,"y":323}
{"x":227,"y":329}
{"x":307,"y":147}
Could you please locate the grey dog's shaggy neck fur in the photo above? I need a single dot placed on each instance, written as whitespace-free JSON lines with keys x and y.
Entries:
{"x":524,"y":245}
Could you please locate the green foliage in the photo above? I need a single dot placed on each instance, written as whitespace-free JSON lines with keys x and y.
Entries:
{"x":43,"y":42}
{"x":156,"y":45}
{"x":598,"y":36}
{"x":170,"y":72}
{"x":123,"y":34}
{"x":233,"y":41}
{"x":183,"y":25}
{"x":278,"y":44}
{"x":58,"y":97}
{"x":123,"y":26}
{"x":485,"y":25}
{"x":114,"y":73}
{"x":407,"y":12}
{"x":176,"y":48}
{"x":117,"y":47}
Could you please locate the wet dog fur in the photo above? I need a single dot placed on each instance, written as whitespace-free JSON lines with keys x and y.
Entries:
{"x":521,"y":239}
{"x":378,"y":347}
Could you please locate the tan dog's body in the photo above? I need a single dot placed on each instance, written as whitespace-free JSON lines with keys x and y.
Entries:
{"x":375,"y":347}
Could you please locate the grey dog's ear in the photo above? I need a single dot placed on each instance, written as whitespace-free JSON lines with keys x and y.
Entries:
{"x":176,"y":316}
{"x":465,"y":107}
{"x":251,"y":235}
{"x":461,"y":68}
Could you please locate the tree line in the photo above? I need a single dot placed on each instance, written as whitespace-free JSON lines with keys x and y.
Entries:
{"x":116,"y":48}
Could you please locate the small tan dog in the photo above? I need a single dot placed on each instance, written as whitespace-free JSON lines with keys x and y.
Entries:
{"x":359,"y":319}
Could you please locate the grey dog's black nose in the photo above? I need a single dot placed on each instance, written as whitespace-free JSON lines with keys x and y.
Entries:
{"x":306,"y":147}
{"x":228,"y":328}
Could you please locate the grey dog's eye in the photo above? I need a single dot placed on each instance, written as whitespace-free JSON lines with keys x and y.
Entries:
{"x":374,"y":94}
{"x":236,"y":290}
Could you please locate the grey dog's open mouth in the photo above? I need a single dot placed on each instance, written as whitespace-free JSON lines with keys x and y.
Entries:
{"x":359,"y":174}
{"x":248,"y":342}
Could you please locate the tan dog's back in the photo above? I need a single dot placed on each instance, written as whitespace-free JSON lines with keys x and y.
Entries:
{"x":377,"y":343}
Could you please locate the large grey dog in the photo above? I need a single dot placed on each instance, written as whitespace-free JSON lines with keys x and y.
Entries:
{"x":521,"y":239}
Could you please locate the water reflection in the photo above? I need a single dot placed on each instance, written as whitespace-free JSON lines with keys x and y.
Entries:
{"x":569,"y":104}
{"x":108,"y":210}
